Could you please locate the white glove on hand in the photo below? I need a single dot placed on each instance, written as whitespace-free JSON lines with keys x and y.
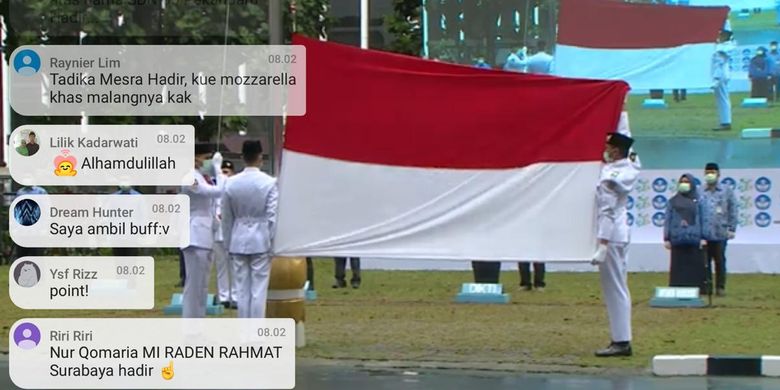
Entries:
{"x":217,"y":161}
{"x":732,"y":235}
{"x":600,"y":255}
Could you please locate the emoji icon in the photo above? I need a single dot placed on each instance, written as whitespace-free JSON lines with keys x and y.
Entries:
{"x":167,"y":371}
{"x":65,"y":165}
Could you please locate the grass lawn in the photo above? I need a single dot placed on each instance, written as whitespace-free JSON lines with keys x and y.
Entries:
{"x":696,"y":117}
{"x":399,"y":315}
{"x":766,"y":20}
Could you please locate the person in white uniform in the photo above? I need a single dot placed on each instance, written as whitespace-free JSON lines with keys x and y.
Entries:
{"x":226,"y":288}
{"x":618,"y":176}
{"x":248,"y":225}
{"x":203,"y":194}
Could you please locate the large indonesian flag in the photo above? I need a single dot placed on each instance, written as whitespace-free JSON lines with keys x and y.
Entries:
{"x":399,"y":157}
{"x":650,"y":46}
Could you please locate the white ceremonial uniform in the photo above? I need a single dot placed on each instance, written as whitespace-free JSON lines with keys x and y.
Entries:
{"x":248,"y":225}
{"x":226,"y":287}
{"x":721,"y":74}
{"x":197,"y":256}
{"x":624,"y":128}
{"x":540,"y":63}
{"x":616,"y":181}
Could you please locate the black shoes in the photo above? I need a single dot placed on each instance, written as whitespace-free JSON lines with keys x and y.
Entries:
{"x":343,"y":283}
{"x":339,"y":284}
{"x":723,"y":127}
{"x":615,"y":349}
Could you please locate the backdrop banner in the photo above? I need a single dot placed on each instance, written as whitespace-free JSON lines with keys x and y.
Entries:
{"x":755,"y":189}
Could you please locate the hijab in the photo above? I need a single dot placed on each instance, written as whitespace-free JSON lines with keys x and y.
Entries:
{"x":686,"y":205}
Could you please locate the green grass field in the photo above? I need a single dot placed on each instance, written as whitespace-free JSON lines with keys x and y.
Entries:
{"x":410,"y":316}
{"x":766,"y":20}
{"x":696,"y":117}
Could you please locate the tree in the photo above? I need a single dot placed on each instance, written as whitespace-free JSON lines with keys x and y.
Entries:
{"x":309,"y":17}
{"x":404,"y":25}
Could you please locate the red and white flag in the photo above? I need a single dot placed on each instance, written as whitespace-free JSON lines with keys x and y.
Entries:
{"x":650,"y":46}
{"x":399,"y":157}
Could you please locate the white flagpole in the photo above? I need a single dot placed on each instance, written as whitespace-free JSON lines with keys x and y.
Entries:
{"x":364,"y":16}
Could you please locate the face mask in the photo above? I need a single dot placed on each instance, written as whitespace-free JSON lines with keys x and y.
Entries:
{"x":207,"y":168}
{"x":684,"y":188}
{"x":607,"y":157}
{"x":711,"y":178}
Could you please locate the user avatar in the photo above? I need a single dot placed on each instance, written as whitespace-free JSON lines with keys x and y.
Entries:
{"x":27,"y":212}
{"x":27,"y":274}
{"x":65,"y":165}
{"x":27,"y":336}
{"x":27,"y":63}
{"x":26,"y":143}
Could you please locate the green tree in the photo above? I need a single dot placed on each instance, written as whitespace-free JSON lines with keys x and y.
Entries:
{"x":404,"y":25}
{"x":308,"y":17}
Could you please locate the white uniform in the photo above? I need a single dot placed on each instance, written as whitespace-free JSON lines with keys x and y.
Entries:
{"x":248,"y":224}
{"x":624,"y":128}
{"x":540,"y":63}
{"x":616,"y":181}
{"x":197,"y":256}
{"x":226,"y":287}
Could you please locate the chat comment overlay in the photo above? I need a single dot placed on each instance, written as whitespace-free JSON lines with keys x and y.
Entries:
{"x":111,"y":155}
{"x":100,"y":221}
{"x":82,"y":282}
{"x":152,"y":80}
{"x":152,"y":353}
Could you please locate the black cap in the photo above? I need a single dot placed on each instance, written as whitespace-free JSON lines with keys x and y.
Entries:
{"x":227,"y":164}
{"x":711,"y":166}
{"x":203,"y":148}
{"x":621,"y":141}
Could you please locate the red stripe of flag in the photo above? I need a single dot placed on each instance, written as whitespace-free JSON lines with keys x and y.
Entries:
{"x":610,"y":24}
{"x":374,"y":107}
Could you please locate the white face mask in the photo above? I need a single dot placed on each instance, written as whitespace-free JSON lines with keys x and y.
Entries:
{"x":684,"y":188}
{"x":607,"y":157}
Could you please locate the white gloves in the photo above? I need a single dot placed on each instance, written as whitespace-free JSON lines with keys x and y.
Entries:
{"x":217,"y":161}
{"x":600,"y":255}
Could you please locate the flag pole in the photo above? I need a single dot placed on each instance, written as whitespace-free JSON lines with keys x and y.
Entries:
{"x":364,"y":17}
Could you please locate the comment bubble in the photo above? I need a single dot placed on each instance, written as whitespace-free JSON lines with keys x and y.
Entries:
{"x":82,"y":282}
{"x":158,"y":80}
{"x":100,"y":221}
{"x":90,"y":155}
{"x":152,"y":353}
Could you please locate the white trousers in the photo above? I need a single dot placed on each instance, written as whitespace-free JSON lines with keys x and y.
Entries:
{"x":252,"y":274}
{"x":196,"y":286}
{"x":614,"y":288}
{"x":723,"y":102}
{"x":226,"y":287}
